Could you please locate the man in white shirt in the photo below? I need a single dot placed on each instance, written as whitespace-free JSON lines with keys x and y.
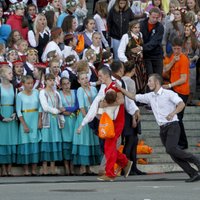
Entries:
{"x":165,"y":105}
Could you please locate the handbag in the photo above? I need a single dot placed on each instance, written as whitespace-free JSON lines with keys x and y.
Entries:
{"x":106,"y":127}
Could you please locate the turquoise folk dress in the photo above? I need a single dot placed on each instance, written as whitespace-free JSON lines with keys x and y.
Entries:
{"x":86,"y":148}
{"x":51,"y":136}
{"x":29,"y":148}
{"x":70,"y":102}
{"x":8,"y":130}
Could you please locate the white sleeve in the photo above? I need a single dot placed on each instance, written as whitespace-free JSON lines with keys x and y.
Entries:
{"x":62,"y":118}
{"x":31,"y":39}
{"x":142,"y":98}
{"x":51,"y":46}
{"x":16,"y":1}
{"x":81,"y":12}
{"x":174,"y":97}
{"x":35,"y":3}
{"x":122,"y":48}
{"x":84,"y":58}
{"x":110,"y":5}
{"x":76,"y":56}
{"x":45,"y":105}
{"x":45,"y":52}
{"x":130,"y":106}
{"x":92,"y":112}
{"x":65,"y":73}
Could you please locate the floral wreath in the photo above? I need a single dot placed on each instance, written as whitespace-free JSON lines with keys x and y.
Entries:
{"x":71,"y":3}
{"x":29,"y":51}
{"x":181,"y":9}
{"x":15,"y":6}
{"x":107,"y":59}
{"x":48,"y":8}
{"x":51,"y":58}
{"x":71,"y":62}
{"x":191,"y":27}
{"x":91,"y":56}
{"x":11,"y":51}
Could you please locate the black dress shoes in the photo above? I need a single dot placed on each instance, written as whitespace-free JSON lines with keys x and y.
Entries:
{"x":137,"y":172}
{"x":182,"y":147}
{"x":194,"y":178}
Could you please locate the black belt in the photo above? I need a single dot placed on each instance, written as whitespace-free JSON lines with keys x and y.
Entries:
{"x":168,"y":124}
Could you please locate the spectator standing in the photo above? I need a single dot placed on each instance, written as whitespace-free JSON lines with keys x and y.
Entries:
{"x":100,"y":16}
{"x":40,"y":35}
{"x":118,"y":20}
{"x":179,"y":82}
{"x":130,"y":49}
{"x":172,"y":30}
{"x":70,"y":9}
{"x":191,"y":49}
{"x":17,"y":21}
{"x":152,"y":31}
{"x":8,"y":124}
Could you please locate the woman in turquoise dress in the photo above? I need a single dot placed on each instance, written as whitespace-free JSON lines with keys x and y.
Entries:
{"x":86,"y":148}
{"x":8,"y":123}
{"x":70,"y":103}
{"x":52,"y":123}
{"x":28,"y":108}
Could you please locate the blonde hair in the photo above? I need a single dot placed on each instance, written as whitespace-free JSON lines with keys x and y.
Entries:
{"x":89,"y":54}
{"x":3,"y":70}
{"x":30,"y":51}
{"x":36,"y":21}
{"x":175,"y":2}
{"x":81,"y":73}
{"x":96,"y":33}
{"x":20,"y":41}
{"x":54,"y":60}
{"x":116,"y":5}
{"x":2,"y":46}
{"x":82,"y":65}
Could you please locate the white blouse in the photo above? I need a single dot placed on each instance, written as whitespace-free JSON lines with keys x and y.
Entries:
{"x":122,"y":47}
{"x":67,"y":51}
{"x":51,"y":46}
{"x":31,"y":37}
{"x":45,"y":105}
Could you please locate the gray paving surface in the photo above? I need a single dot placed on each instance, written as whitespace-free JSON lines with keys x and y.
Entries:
{"x":149,"y":187}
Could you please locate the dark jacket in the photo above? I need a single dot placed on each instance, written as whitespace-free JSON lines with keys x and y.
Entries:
{"x":152,"y":47}
{"x":118,"y":22}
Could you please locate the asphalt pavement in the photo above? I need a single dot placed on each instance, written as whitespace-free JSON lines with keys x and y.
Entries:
{"x":169,"y":186}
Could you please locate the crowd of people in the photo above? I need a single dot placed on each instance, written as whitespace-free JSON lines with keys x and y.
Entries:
{"x":60,"y":69}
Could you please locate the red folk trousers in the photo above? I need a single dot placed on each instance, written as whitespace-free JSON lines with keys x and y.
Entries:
{"x":110,"y":150}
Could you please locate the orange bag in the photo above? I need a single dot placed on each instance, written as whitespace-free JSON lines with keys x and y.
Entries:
{"x":142,"y":161}
{"x":142,"y":148}
{"x":80,"y":44}
{"x":106,"y":127}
